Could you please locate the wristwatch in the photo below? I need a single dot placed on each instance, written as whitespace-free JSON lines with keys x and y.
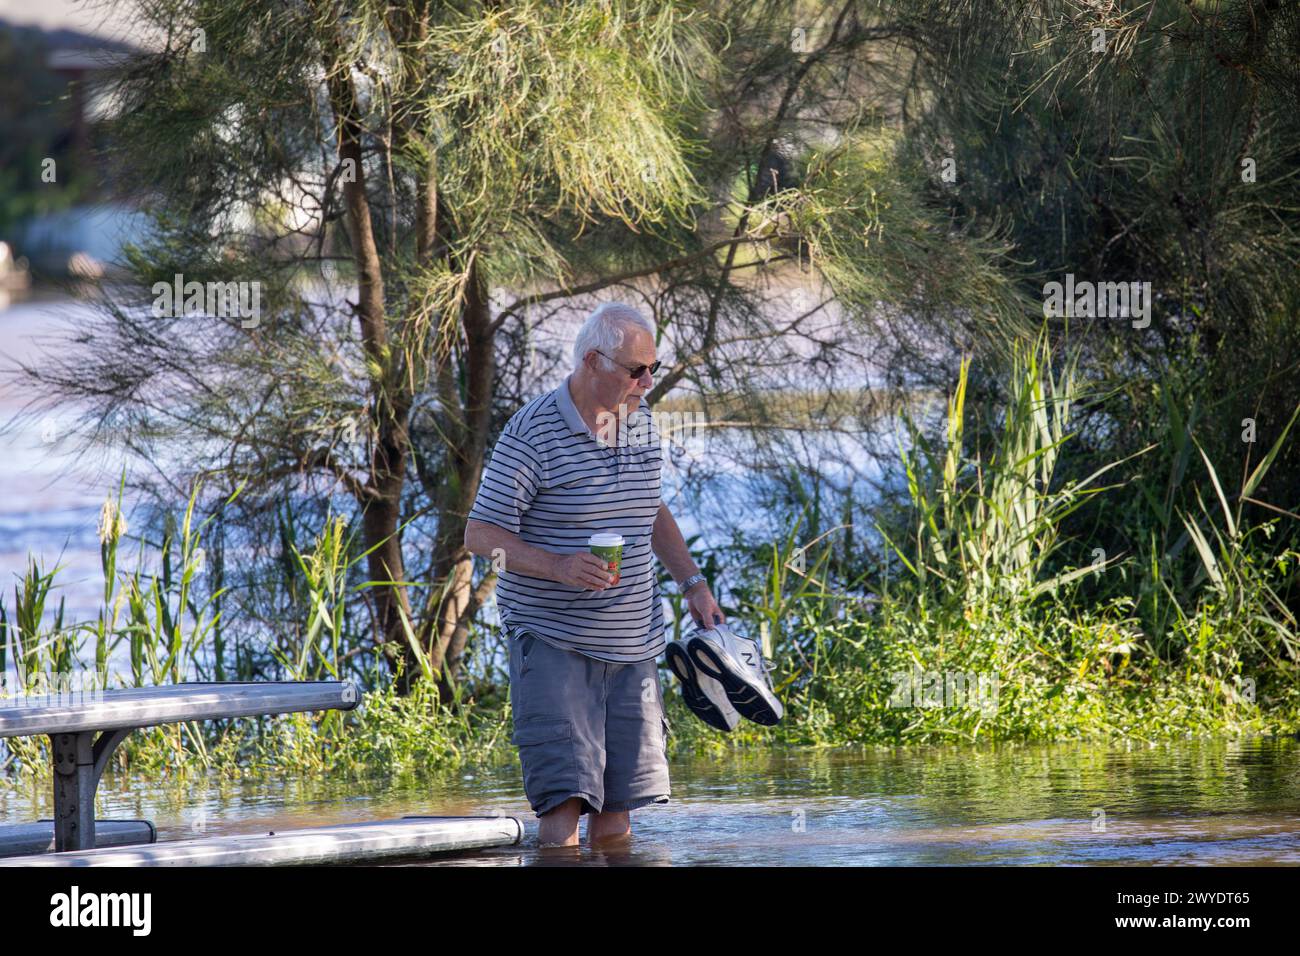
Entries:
{"x":690,"y":582}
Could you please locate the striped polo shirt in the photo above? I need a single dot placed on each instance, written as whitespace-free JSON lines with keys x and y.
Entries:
{"x":554,"y":483}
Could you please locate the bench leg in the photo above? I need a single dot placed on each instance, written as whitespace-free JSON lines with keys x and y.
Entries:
{"x":79,"y":762}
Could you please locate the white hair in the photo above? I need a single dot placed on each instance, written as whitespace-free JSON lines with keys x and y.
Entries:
{"x":605,"y":329}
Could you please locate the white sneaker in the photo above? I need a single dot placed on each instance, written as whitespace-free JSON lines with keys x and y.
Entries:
{"x":737,"y":663}
{"x":703,"y":695}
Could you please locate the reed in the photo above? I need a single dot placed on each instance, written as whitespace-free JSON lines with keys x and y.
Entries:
{"x":978,"y":576}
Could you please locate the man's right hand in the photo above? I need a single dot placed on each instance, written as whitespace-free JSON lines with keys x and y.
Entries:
{"x":584,"y":570}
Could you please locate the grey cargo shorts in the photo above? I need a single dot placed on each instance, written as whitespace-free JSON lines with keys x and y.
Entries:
{"x":586,"y":728}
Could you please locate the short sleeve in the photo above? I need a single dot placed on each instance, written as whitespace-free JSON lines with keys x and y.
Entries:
{"x":510,"y":483}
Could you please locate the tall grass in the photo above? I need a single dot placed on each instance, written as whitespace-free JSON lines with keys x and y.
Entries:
{"x":979,"y":577}
{"x":167,"y":624}
{"x":984,"y":530}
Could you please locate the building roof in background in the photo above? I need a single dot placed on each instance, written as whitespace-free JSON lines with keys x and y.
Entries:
{"x":79,"y":40}
{"x":70,"y":22}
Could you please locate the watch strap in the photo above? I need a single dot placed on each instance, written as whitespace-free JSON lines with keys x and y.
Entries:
{"x":693,"y":580}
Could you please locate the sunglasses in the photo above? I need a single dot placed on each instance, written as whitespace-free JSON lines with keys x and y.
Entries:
{"x":634,"y":372}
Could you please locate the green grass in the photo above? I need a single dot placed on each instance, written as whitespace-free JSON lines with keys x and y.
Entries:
{"x":977,"y":579}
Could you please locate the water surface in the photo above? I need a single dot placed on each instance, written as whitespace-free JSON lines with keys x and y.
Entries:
{"x":1190,"y":803}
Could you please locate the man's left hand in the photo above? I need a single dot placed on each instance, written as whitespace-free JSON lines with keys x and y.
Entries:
{"x":703,"y":607}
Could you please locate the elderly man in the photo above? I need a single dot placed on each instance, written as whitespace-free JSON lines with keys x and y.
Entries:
{"x":585,"y":692}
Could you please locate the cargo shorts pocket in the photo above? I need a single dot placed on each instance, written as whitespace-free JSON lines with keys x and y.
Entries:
{"x":546,"y":755}
{"x":521,"y":647}
{"x":664,"y":727}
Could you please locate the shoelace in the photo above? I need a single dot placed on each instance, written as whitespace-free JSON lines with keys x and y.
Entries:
{"x":768,"y":666}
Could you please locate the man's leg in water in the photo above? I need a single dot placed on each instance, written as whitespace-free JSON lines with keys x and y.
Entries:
{"x":636,"y":760}
{"x":612,"y":825}
{"x":559,"y":827}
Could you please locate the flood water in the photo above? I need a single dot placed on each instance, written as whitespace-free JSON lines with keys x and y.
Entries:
{"x":1191,"y":803}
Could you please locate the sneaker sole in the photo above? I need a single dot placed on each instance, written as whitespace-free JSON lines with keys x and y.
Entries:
{"x":680,"y":664}
{"x":751,"y":702}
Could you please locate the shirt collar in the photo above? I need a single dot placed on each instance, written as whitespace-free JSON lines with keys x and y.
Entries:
{"x":569,"y":411}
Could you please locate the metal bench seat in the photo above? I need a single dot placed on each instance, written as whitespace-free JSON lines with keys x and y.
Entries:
{"x":85,"y":728}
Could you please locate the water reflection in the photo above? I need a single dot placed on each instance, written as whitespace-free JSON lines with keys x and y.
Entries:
{"x":1195,"y":802}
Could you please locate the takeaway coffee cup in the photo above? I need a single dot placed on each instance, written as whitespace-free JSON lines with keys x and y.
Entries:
{"x":608,"y":545}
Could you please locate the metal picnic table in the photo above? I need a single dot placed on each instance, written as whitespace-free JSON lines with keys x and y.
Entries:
{"x":85,"y":728}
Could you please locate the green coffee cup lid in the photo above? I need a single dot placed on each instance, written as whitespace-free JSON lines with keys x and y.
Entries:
{"x":605,"y":539}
